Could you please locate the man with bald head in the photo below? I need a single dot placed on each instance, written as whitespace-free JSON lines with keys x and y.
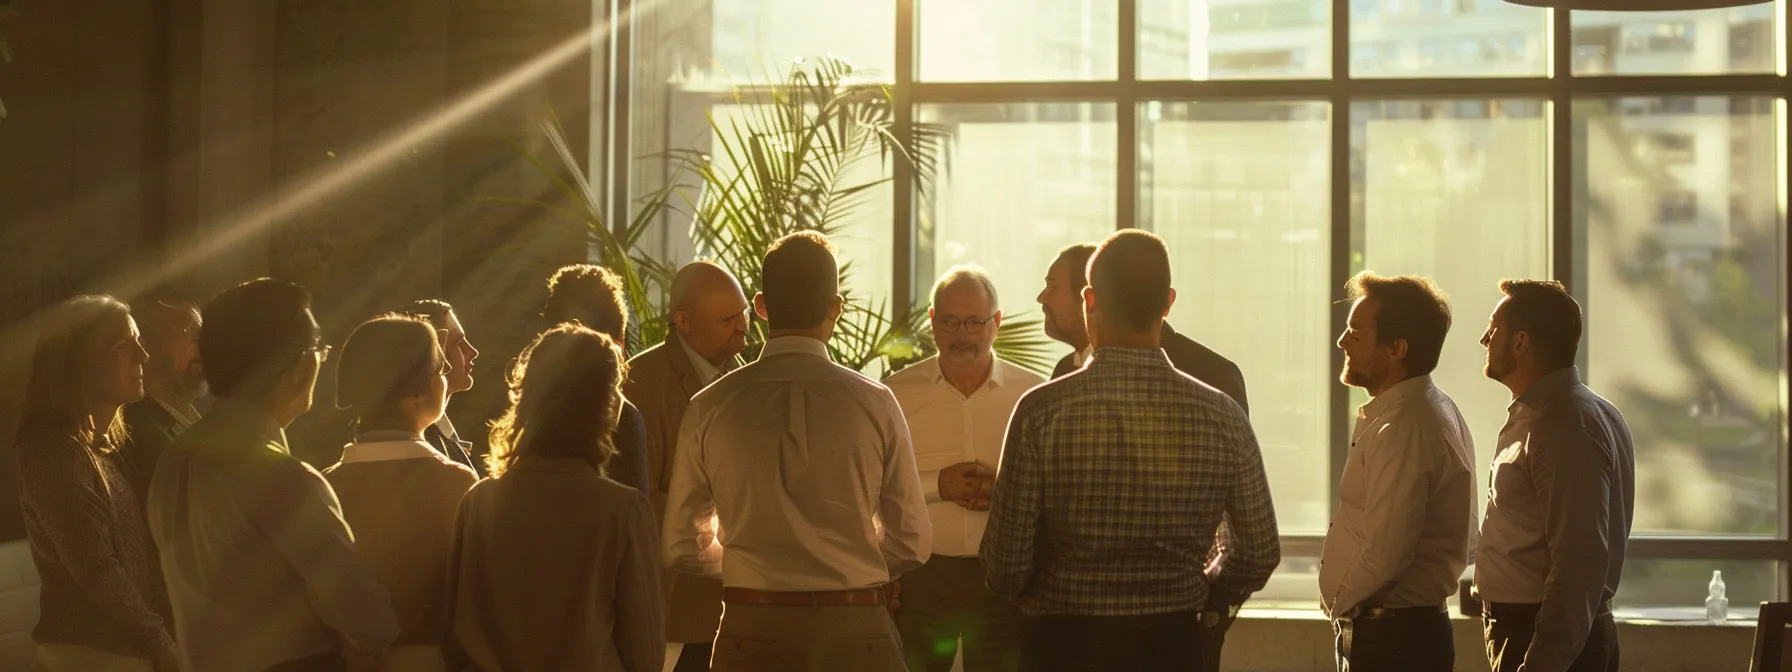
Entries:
{"x":1127,"y":465}
{"x":957,"y":404}
{"x":708,"y":333}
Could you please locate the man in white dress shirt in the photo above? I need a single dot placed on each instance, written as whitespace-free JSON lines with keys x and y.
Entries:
{"x":795,"y":483}
{"x":957,"y":404}
{"x":1405,"y":526}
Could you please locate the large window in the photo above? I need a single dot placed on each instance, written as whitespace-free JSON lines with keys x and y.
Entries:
{"x":1638,"y":157}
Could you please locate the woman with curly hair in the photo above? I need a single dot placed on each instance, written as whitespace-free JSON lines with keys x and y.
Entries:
{"x":558,"y":566}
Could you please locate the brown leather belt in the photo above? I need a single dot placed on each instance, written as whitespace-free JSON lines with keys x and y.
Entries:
{"x":863,"y":597}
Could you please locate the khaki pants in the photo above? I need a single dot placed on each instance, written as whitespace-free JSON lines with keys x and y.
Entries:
{"x":947,"y":599}
{"x":806,"y":639}
{"x":72,"y":658}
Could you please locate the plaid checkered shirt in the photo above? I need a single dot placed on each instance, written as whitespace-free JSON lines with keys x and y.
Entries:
{"x":1112,"y":482}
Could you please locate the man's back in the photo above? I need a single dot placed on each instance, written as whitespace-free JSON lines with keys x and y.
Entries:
{"x":259,"y":565}
{"x":1114,"y":479}
{"x":803,"y":460}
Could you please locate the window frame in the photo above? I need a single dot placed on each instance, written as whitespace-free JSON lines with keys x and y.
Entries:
{"x":1559,"y":86}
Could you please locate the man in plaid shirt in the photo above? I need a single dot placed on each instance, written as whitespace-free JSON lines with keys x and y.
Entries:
{"x":1112,"y":482}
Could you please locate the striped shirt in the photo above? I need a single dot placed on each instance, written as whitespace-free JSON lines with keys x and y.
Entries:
{"x":1113,"y":480}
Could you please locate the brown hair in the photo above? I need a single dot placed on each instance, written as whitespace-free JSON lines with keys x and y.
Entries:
{"x":801,"y":280}
{"x":386,"y":360}
{"x":1131,"y":276}
{"x":1077,"y":257}
{"x":1413,"y":309}
{"x":434,"y":310}
{"x":55,"y":400}
{"x":565,"y":396}
{"x":590,"y":295}
{"x":1545,"y":310}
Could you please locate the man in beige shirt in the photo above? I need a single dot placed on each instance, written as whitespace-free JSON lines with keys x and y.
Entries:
{"x":709,"y":331}
{"x":957,"y":404}
{"x":796,"y":484}
{"x":1405,"y":525}
{"x":1562,"y":499}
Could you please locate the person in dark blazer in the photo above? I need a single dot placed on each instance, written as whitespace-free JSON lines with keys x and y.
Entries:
{"x":1061,"y":301}
{"x":460,"y":353}
{"x":173,"y":380}
{"x":593,"y":296}
{"x":708,"y":333}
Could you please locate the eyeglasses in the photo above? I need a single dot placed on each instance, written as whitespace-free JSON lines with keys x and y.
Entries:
{"x":321,"y":351}
{"x":970,"y":326}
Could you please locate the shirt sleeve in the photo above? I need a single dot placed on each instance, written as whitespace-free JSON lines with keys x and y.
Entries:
{"x":692,"y":543}
{"x":1254,"y":546}
{"x":641,"y":634}
{"x":908,"y":532}
{"x":302,"y":518}
{"x":1573,"y":475}
{"x":1398,"y":475}
{"x":68,"y":495}
{"x":1008,"y":541}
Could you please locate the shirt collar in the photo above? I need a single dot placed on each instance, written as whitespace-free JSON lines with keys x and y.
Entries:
{"x":794,"y":345}
{"x":385,"y":451}
{"x":706,"y":372}
{"x":1549,"y":386}
{"x":184,"y":413}
{"x":1110,"y":355}
{"x":932,"y":368}
{"x":446,"y":427}
{"x":251,"y":419}
{"x":1396,"y":395}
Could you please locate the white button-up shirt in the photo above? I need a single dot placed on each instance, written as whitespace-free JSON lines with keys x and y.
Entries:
{"x":1405,"y":527}
{"x":950,"y":428}
{"x":796,"y":474}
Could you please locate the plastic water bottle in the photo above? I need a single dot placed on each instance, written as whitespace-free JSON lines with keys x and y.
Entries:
{"x":1717,"y":607}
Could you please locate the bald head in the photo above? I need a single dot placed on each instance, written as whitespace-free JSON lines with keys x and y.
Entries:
{"x":709,"y":311}
{"x":1130,"y":279}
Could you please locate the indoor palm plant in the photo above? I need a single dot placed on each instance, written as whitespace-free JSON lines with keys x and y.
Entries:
{"x":785,"y":164}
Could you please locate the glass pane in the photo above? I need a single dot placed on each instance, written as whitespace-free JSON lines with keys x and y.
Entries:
{"x":1685,"y":270}
{"x":1238,"y":192}
{"x":996,"y":40}
{"x":1231,"y":39}
{"x":757,"y":39}
{"x":689,"y":54}
{"x":1022,"y":181}
{"x":1446,"y":38}
{"x":1709,"y":41}
{"x":1455,"y":190}
{"x":1675,"y":590}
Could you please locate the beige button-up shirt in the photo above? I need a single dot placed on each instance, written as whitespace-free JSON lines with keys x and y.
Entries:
{"x":950,"y":428}
{"x":796,"y":474}
{"x":1559,"y":510}
{"x":1405,"y":526}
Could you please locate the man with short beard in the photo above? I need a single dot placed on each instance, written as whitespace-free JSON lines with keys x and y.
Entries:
{"x":1405,"y":525}
{"x":1562,"y":496}
{"x":957,"y":404}
{"x":173,"y":380}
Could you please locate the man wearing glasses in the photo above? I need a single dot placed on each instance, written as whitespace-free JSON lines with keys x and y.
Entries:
{"x":957,"y":404}
{"x":261,"y":569}
{"x":173,"y":381}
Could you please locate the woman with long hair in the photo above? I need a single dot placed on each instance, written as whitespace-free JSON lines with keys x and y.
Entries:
{"x":398,"y":493}
{"x":103,"y":604}
{"x":549,"y":534}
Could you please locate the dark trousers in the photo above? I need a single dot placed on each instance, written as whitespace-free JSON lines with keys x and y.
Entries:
{"x":1407,"y":641}
{"x":1103,"y":643}
{"x":948,"y":599}
{"x":1509,"y":628}
{"x":694,"y":657}
{"x":1213,"y":638}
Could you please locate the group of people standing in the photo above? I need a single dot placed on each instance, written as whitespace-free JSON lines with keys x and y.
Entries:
{"x":686,"y":510}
